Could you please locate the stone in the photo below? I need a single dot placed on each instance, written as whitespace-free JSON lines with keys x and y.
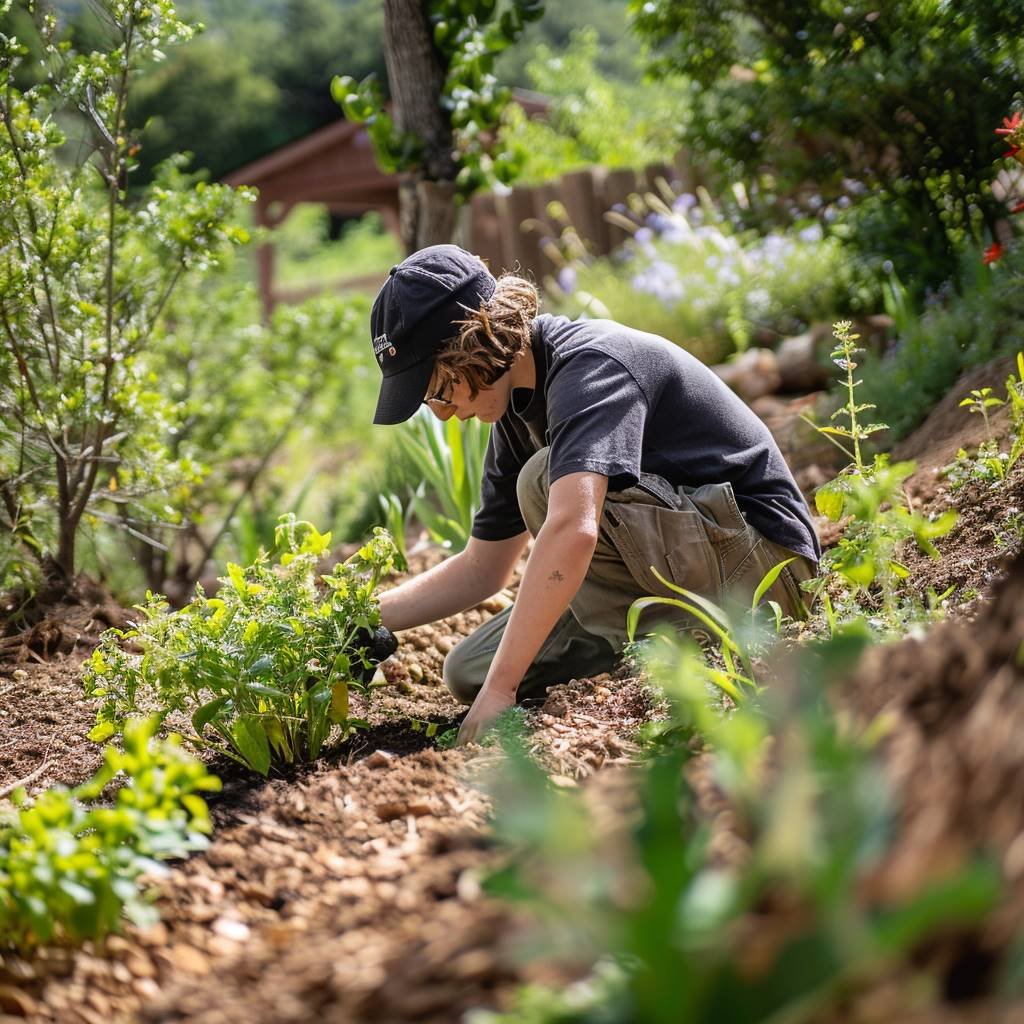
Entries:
{"x":752,"y":373}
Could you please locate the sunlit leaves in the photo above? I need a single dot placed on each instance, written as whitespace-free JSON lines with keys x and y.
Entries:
{"x":69,"y":864}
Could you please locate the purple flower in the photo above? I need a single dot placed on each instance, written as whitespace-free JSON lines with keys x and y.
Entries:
{"x":567,"y":280}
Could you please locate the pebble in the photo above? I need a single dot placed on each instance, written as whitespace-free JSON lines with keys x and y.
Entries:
{"x":415,"y":670}
{"x":189,"y":959}
{"x":231,"y":928}
{"x":381,"y":759}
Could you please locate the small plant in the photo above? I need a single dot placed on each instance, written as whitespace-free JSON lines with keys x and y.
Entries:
{"x":990,"y":465}
{"x":449,"y":457}
{"x":264,"y":670}
{"x":871,"y":495}
{"x":70,"y":865}
{"x":736,"y":639}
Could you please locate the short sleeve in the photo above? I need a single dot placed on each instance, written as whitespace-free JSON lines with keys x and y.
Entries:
{"x":596,"y":417}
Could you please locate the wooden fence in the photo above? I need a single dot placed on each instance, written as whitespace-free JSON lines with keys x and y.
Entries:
{"x":508,"y":230}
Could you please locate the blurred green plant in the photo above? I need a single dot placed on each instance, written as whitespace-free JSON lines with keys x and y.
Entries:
{"x":265,"y":669}
{"x":448,"y":457}
{"x":990,"y":465}
{"x":70,"y":864}
{"x":959,"y":328}
{"x":245,"y":392}
{"x":573,"y":132}
{"x":85,"y":277}
{"x":683,"y":934}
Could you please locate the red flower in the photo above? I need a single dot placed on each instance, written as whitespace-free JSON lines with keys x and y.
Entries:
{"x":1012,"y":151}
{"x":993,"y":254}
{"x":1019,"y":208}
{"x":1010,"y":124}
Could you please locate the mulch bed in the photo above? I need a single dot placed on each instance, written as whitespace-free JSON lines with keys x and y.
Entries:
{"x":350,"y":890}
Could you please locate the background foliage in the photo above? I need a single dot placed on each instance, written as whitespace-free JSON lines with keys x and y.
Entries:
{"x":901,"y":96}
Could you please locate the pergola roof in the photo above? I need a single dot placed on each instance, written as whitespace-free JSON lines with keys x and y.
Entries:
{"x":334,"y":166}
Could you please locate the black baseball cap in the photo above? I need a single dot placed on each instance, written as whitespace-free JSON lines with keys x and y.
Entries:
{"x":416,"y":311}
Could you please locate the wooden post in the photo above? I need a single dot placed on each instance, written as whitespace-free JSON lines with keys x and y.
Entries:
{"x":265,"y":262}
{"x":579,"y":196}
{"x":483,"y":231}
{"x":514,"y":209}
{"x":617,"y":187}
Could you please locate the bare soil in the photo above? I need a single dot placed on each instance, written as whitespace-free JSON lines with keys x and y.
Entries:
{"x":350,"y":890}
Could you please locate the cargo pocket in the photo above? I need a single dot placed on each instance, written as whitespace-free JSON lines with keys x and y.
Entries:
{"x":676,"y":543}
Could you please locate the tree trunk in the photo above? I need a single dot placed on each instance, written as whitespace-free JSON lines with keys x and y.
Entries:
{"x":416,"y":75}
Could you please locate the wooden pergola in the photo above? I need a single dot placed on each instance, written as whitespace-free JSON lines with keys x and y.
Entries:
{"x":335,"y":167}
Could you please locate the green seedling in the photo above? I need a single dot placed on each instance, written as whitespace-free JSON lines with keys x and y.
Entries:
{"x":70,"y":863}
{"x":871,"y":494}
{"x":264,"y":670}
{"x":990,"y":465}
{"x":730,"y":634}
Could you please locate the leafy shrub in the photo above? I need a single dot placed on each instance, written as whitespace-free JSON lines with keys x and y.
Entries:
{"x":264,"y":669}
{"x":70,"y":865}
{"x":573,"y":133}
{"x":693,"y":273}
{"x":248,"y":396}
{"x":85,"y":276}
{"x":961,"y":328}
{"x":900,"y":96}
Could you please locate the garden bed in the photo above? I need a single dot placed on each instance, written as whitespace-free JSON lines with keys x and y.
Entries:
{"x":351,"y":890}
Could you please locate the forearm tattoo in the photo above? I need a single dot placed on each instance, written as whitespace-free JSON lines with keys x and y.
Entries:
{"x":557,"y":577}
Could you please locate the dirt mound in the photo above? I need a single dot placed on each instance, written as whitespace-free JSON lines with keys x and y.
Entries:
{"x":953,"y":702}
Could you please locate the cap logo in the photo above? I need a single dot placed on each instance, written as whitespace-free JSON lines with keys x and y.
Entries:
{"x":382,"y":345}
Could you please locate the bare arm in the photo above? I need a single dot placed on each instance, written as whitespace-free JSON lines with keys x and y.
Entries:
{"x":558,"y":563}
{"x":458,"y":583}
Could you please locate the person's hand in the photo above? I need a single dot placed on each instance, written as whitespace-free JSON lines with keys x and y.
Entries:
{"x":486,"y":708}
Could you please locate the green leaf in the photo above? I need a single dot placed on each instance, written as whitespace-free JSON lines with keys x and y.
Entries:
{"x":339,"y":702}
{"x":102,"y":731}
{"x":250,"y":741}
{"x":830,"y":500}
{"x":769,"y":579}
{"x":205,"y":714}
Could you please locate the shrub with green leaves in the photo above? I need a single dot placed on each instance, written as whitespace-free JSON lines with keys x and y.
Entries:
{"x":265,"y":668}
{"x":901,"y":96}
{"x":70,"y":863}
{"x":85,"y":276}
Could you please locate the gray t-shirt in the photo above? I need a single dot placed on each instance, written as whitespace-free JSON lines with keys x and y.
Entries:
{"x":616,"y":401}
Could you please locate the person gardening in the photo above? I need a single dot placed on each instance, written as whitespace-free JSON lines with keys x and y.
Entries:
{"x":617,"y":451}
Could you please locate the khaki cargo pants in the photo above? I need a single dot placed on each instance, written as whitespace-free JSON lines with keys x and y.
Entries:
{"x":697,"y":538}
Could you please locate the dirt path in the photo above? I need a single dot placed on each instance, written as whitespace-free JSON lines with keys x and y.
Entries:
{"x":350,"y":891}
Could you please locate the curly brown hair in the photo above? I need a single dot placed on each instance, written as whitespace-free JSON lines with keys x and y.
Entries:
{"x":490,"y":339}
